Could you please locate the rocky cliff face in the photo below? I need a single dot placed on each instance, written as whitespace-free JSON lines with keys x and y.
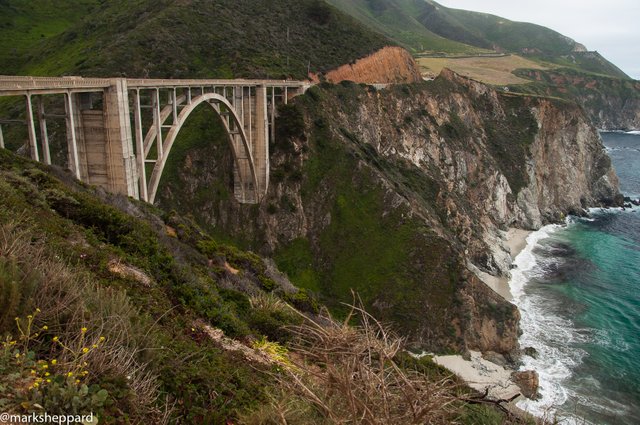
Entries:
{"x":611,"y":103}
{"x":387,"y":65}
{"x":394,"y":193}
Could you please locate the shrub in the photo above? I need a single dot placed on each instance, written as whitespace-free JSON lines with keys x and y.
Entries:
{"x":349,"y":375}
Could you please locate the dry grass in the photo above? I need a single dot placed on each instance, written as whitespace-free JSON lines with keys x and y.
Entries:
{"x":349,"y":376}
{"x":82,"y":314}
{"x":489,"y":70}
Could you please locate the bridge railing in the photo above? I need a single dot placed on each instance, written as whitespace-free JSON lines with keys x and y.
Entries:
{"x":8,"y":83}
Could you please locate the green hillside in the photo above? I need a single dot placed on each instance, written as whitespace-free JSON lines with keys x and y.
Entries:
{"x":221,"y":38}
{"x":25,"y":24}
{"x":399,"y":21}
{"x":454,"y":31}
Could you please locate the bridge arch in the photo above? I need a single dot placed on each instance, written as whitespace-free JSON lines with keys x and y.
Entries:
{"x":246,"y":189}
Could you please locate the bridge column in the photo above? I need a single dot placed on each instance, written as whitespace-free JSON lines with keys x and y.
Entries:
{"x":260,"y":146}
{"x":140,"y":154}
{"x":243,"y":185}
{"x":31,"y":128}
{"x":72,"y":142}
{"x":43,"y":132}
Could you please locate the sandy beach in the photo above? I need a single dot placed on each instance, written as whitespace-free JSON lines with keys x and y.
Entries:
{"x":481,"y":374}
{"x":516,"y":240}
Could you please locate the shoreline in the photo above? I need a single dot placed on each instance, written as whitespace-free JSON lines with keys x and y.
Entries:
{"x":515,"y":240}
{"x":478,"y":372}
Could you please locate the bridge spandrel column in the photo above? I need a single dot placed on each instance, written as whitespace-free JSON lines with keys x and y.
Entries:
{"x":260,"y":147}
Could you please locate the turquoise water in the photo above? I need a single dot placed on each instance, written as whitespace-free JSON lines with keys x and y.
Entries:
{"x":578,"y":289}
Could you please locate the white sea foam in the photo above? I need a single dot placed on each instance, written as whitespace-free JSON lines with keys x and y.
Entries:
{"x":548,"y":333}
{"x":614,"y":210}
{"x":633,"y":132}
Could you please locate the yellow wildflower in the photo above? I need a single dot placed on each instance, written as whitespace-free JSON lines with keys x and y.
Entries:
{"x":45,"y":327}
{"x":77,"y":381}
{"x":55,"y":339}
{"x":36,"y":385}
{"x":48,"y":381}
{"x":83,"y":330}
{"x":47,"y":374}
{"x":33,"y":372}
{"x":70,"y":374}
{"x":54,"y":362}
{"x":85,"y":350}
{"x":102,"y":339}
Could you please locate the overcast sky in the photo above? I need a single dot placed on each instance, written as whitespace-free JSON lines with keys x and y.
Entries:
{"x":611,"y":27}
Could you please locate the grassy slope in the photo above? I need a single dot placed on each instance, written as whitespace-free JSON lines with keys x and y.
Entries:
{"x":84,"y":235}
{"x":221,"y":38}
{"x":25,"y":24}
{"x":77,"y":236}
{"x":397,"y":20}
{"x":520,"y":37}
{"x":489,"y":70}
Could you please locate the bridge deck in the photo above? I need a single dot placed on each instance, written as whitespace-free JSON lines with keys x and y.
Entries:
{"x":18,"y":85}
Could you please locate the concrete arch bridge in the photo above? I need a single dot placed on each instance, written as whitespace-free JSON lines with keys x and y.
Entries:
{"x":120,"y":131}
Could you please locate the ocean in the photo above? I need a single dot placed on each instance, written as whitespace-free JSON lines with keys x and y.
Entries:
{"x":578,"y":290}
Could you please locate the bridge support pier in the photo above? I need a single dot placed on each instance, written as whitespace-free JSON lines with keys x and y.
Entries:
{"x":120,"y":158}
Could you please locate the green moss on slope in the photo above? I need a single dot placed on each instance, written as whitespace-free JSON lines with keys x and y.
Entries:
{"x":82,"y":240}
{"x":221,"y":38}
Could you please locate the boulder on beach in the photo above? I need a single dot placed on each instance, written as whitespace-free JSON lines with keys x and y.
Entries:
{"x":528,"y":382}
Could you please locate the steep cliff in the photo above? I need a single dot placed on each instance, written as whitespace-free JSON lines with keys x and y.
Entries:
{"x":611,"y":103}
{"x":394,"y":192}
{"x":387,"y":65}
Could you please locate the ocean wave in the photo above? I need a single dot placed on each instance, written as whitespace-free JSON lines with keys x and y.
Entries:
{"x":552,"y":336}
{"x":613,"y":210}
{"x":624,"y":148}
{"x":611,"y":342}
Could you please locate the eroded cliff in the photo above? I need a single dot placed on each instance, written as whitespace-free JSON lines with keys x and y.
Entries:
{"x":394,"y":193}
{"x":387,"y":65}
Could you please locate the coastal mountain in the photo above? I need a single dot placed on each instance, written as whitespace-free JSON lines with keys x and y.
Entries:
{"x":477,"y":32}
{"x":493,"y":50}
{"x":396,"y":198}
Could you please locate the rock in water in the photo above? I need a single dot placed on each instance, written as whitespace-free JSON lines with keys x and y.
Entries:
{"x":531,"y":352}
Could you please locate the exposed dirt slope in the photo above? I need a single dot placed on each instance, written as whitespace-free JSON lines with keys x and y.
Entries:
{"x":387,"y":65}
